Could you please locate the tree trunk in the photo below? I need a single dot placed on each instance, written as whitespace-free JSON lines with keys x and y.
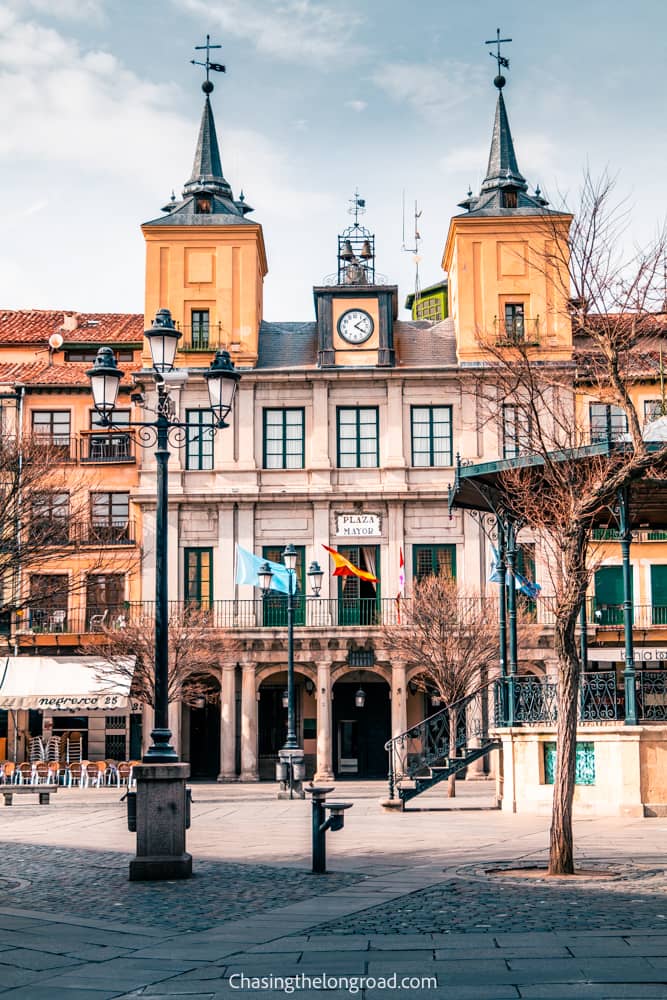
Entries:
{"x":451,"y":780}
{"x":561,"y":853}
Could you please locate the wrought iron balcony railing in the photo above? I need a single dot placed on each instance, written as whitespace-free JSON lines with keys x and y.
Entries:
{"x":103,"y":447}
{"x":64,"y":531}
{"x":517,"y":332}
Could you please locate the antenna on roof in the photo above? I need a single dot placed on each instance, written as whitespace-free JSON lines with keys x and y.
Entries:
{"x":414,"y":250}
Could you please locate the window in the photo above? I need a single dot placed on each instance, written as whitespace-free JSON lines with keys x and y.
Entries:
{"x":608,"y":423}
{"x":48,"y":601}
{"x":430,"y":308}
{"x":584,"y":768}
{"x":110,"y":516}
{"x":49,"y":521}
{"x":432,"y":560}
{"x":609,"y":595}
{"x":509,"y":199}
{"x":359,"y":600}
{"x":200,"y":436}
{"x":200,"y":328}
{"x":653,"y":408}
{"x":198,"y":589}
{"x":51,"y":428}
{"x":274,"y":611}
{"x":284,"y":439}
{"x":108,"y":446}
{"x":89,"y":355}
{"x":358,"y":437}
{"x":659,"y":594}
{"x":514,"y":320}
{"x":516,"y":431}
{"x":105,"y":593}
{"x":431,"y":435}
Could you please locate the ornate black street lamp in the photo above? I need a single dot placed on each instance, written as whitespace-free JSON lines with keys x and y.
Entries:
{"x":265,"y":575}
{"x":221,"y":379}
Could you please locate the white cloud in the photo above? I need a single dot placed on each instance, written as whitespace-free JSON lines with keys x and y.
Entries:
{"x":357,"y":106}
{"x":66,"y":10}
{"x":300,"y":31}
{"x":430,"y":90}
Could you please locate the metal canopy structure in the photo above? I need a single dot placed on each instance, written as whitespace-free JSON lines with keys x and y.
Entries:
{"x":485,"y":488}
{"x":476,"y":486}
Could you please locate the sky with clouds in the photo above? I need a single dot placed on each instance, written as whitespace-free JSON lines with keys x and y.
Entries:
{"x":99,"y":112}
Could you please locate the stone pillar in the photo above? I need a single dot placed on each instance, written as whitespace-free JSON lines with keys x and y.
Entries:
{"x":248,"y":724}
{"x":324,"y":748}
{"x":399,"y":699}
{"x":228,"y":724}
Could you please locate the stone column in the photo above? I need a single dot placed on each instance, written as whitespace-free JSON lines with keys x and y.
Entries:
{"x":399,"y":699}
{"x":228,"y":724}
{"x":324,"y":748}
{"x":248,"y":724}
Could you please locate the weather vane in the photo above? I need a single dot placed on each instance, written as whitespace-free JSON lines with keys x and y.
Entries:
{"x":357,"y":207}
{"x":207,"y":86}
{"x":503,"y":62}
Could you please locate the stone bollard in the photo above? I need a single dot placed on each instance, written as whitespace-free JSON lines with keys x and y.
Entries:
{"x":161,"y":822}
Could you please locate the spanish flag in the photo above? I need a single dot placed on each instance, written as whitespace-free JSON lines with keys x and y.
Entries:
{"x":345,"y":568}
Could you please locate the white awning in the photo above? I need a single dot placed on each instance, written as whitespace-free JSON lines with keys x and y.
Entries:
{"x":62,"y":684}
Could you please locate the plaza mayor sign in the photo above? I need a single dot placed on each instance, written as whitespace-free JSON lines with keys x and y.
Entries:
{"x":358,"y":525}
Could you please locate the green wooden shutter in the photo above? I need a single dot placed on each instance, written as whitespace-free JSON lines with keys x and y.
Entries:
{"x":609,"y":595}
{"x":659,"y":594}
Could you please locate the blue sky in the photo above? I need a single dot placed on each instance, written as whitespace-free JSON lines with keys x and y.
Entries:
{"x":99,"y":110}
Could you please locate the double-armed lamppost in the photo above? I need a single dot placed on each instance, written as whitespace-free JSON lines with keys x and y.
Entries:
{"x":221,"y":380}
{"x":160,"y":805}
{"x":315,"y":574}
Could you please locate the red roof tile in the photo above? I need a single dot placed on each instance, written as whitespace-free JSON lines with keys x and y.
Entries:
{"x":41,"y":373}
{"x":35,"y":326}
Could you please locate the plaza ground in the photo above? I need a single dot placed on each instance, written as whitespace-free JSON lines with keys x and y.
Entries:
{"x":407,"y":895}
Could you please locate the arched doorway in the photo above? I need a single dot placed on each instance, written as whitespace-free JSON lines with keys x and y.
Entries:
{"x":201,"y":725}
{"x":361,"y":725}
{"x":272,"y":721}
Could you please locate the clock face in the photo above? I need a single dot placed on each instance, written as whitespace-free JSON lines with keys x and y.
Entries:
{"x":355,"y":326}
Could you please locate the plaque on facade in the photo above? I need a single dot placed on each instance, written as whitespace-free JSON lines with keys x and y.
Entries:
{"x":358,"y":525}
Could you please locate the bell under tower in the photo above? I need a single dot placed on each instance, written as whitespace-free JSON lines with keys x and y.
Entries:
{"x":205,"y":260}
{"x":506,"y":258}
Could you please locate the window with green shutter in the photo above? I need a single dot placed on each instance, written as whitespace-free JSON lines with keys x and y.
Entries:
{"x":609,"y":595}
{"x":274,"y":604}
{"x":358,"y":442}
{"x":200,"y":435}
{"x":198,"y":589}
{"x":284,"y":438}
{"x":659,"y":594}
{"x":431,"y":436}
{"x":432,"y":560}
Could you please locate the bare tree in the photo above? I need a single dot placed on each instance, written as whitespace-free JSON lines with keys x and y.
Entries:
{"x":453,"y":637}
{"x":561,"y":491}
{"x":195,"y":654}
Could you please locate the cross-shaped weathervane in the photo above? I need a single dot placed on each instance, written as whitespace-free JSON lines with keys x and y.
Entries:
{"x":503,"y":62}
{"x":208,"y":65}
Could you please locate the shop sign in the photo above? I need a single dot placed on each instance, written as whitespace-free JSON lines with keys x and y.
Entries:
{"x":73,"y":702}
{"x":358,"y":525}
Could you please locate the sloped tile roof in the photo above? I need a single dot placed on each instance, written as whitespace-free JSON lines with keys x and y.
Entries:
{"x":41,"y":373}
{"x":35,"y":326}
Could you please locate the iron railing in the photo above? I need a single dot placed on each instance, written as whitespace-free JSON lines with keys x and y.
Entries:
{"x":106,"y":447}
{"x":521,"y":330}
{"x":536,"y":701}
{"x":652,"y":696}
{"x":428,"y":744}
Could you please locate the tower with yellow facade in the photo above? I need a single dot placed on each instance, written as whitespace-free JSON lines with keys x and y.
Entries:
{"x":506,"y":258}
{"x":206,"y":261}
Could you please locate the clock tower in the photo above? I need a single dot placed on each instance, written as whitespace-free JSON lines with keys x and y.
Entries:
{"x":355,"y":309}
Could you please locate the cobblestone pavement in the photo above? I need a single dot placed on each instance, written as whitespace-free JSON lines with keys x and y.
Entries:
{"x":470,"y":903}
{"x":88,"y":879}
{"x":409,"y":906}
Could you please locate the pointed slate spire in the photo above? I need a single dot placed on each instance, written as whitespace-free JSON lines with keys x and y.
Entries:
{"x":503,"y":169}
{"x":207,"y":175}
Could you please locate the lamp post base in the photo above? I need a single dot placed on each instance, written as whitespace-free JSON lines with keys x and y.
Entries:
{"x":291,"y":772}
{"x":162,"y":818}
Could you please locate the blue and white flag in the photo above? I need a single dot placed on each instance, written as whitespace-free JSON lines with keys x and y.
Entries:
{"x":528,"y":587}
{"x":248,"y":566}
